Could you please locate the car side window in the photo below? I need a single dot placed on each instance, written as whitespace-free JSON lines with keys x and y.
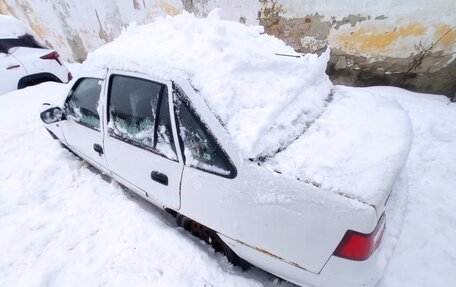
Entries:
{"x":201,"y":150}
{"x":138,"y":113}
{"x":23,"y":41}
{"x":82,"y":102}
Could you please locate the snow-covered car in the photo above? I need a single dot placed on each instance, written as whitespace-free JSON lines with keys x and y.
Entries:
{"x":250,"y":149}
{"x":24,"y":59}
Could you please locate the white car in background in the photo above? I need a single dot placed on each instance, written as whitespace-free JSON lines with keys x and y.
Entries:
{"x":250,"y":150}
{"x":24,"y":60}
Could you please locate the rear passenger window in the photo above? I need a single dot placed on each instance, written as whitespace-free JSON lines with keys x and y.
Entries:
{"x":201,"y":150}
{"x":82,"y":103}
{"x":23,"y":41}
{"x":138,"y":113}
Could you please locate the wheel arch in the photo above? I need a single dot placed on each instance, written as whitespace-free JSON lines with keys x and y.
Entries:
{"x":35,"y":79}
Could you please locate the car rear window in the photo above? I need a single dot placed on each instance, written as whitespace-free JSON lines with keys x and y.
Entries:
{"x":26,"y":41}
{"x":201,"y":149}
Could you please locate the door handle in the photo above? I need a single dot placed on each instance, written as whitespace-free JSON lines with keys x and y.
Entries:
{"x":13,"y":67}
{"x":98,"y":149}
{"x":159,"y":177}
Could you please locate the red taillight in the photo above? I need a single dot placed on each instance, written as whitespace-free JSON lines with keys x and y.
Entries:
{"x":52,"y":56}
{"x":359,"y":246}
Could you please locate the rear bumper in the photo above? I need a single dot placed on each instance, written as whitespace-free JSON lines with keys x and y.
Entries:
{"x":338,"y":271}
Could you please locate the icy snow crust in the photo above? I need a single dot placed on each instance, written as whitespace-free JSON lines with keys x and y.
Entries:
{"x":264,"y":101}
{"x":357,"y":147}
{"x":10,"y":27}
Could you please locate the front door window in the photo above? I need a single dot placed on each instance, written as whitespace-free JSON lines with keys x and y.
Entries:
{"x":82,"y":103}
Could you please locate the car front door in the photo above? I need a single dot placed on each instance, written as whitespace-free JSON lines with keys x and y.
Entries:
{"x":140,"y":143}
{"x":83,"y":130}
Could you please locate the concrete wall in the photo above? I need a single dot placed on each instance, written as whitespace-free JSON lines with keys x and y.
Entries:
{"x":389,"y":42}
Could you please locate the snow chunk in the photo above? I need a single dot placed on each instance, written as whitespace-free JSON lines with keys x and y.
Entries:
{"x":357,"y":147}
{"x":10,"y":27}
{"x":263,"y":99}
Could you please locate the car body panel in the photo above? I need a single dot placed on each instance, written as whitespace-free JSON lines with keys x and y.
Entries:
{"x":135,"y":165}
{"x":11,"y":71}
{"x":29,"y":67}
{"x":31,"y":58}
{"x":82,"y":138}
{"x":271,"y":200}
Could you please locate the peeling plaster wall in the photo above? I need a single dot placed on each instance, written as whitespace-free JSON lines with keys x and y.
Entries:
{"x":76,"y":27}
{"x":406,"y":43}
{"x":388,"y":42}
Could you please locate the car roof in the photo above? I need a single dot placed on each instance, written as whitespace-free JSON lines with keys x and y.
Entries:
{"x":10,"y":27}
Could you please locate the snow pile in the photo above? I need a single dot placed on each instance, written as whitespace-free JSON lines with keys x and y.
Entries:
{"x":357,"y":147}
{"x":10,"y":27}
{"x":62,"y":225}
{"x":264,"y":100}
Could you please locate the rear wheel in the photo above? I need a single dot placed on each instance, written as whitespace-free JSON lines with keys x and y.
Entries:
{"x":211,"y":237}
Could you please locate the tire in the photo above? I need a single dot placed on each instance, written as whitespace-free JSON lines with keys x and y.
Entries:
{"x":211,"y":237}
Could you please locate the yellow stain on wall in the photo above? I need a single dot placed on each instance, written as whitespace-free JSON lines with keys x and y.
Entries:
{"x":447,"y":36}
{"x":61,"y":40}
{"x":40,"y":31}
{"x":4,"y":9}
{"x":168,"y":8}
{"x":366,"y":40}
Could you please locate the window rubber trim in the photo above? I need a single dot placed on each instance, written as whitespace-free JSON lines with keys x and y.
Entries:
{"x":178,"y":93}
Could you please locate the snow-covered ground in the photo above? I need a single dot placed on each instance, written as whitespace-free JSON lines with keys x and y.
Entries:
{"x":61,"y":224}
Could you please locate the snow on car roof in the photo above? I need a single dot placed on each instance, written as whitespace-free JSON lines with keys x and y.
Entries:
{"x":263,"y":99}
{"x":10,"y":27}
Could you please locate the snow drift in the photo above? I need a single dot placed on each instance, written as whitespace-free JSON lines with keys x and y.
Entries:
{"x":357,"y":147}
{"x":263,"y":99}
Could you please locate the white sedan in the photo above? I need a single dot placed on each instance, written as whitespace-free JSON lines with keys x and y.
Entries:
{"x":24,"y":60}
{"x":249,"y":149}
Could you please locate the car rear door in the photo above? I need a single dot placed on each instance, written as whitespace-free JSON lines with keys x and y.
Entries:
{"x":83,"y":129}
{"x":11,"y":71}
{"x":140,"y":142}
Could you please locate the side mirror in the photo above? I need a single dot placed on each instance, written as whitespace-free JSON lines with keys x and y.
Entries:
{"x":52,"y":115}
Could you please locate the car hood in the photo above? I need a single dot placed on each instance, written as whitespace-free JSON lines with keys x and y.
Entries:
{"x":356,"y":148}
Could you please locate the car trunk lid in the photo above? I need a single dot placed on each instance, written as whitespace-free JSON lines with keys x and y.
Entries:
{"x":356,"y":148}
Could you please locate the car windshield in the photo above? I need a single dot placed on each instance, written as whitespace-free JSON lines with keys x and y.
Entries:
{"x":23,"y":41}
